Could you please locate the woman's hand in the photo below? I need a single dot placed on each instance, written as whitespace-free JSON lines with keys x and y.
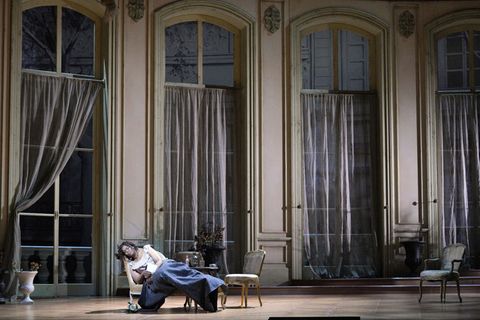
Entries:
{"x":146,"y":274}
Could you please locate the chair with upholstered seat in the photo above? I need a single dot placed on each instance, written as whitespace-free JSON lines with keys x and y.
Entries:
{"x":135,"y":288}
{"x":451,"y":261}
{"x":252,"y":267}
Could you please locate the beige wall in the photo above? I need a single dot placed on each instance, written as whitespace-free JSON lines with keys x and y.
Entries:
{"x":2,"y":134}
{"x":132,"y":194}
{"x":274,"y":217}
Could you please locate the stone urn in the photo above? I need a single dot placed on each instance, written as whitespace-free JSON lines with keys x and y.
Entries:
{"x":413,"y":252}
{"x":212,"y":254}
{"x":26,"y":287}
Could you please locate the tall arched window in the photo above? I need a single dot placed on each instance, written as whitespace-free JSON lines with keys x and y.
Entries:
{"x":336,"y":109}
{"x":204,"y":91}
{"x":61,"y":39}
{"x":458,"y":115}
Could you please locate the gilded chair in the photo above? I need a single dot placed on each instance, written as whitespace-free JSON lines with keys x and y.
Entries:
{"x":453,"y":256}
{"x":252,"y":267}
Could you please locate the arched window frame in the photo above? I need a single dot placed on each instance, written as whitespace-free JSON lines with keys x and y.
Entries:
{"x":243,"y":25}
{"x":199,"y":18}
{"x":363,"y":23}
{"x":449,"y":23}
{"x":95,"y":11}
{"x":341,"y":26}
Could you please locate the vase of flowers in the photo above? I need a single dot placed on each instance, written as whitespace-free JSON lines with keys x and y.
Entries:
{"x":25,"y":279}
{"x":209,"y":243}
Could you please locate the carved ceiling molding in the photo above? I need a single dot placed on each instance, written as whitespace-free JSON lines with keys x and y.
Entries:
{"x":272,"y":19}
{"x":136,"y":9}
{"x":406,"y":23}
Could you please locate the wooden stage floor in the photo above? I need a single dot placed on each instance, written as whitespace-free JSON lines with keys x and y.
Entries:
{"x":366,"y":306}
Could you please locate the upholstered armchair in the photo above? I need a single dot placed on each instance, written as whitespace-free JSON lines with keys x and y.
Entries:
{"x":135,"y":289}
{"x":252,"y":267}
{"x":451,"y":261}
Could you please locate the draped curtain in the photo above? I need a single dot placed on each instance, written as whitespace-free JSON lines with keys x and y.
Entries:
{"x":460,"y":172}
{"x":339,"y":224}
{"x":54,"y":114}
{"x":196,"y":167}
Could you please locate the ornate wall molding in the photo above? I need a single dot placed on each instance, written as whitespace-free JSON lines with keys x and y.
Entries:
{"x":136,"y":9}
{"x":406,"y":23}
{"x":272,"y":19}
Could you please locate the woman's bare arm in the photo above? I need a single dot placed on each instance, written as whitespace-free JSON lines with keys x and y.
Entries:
{"x":137,"y":277}
{"x":156,"y":257}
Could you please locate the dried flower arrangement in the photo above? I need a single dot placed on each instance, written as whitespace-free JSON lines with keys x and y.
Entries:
{"x":208,"y":236}
{"x":34,"y":266}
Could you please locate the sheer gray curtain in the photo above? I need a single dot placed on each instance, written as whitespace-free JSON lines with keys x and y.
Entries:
{"x":54,"y":114}
{"x":460,"y":172}
{"x":195,"y":162}
{"x":339,"y":223}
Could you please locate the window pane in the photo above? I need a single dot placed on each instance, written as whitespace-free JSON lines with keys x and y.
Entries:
{"x":44,"y":204}
{"x":78,"y":42}
{"x":75,"y":232}
{"x":218,"y":45}
{"x":39,"y":38}
{"x":317,"y":60}
{"x":76,"y":184}
{"x":87,"y":138}
{"x":36,"y":231}
{"x":75,"y":263}
{"x":476,"y":47}
{"x":453,"y":62}
{"x":354,"y":67}
{"x":181,"y":53}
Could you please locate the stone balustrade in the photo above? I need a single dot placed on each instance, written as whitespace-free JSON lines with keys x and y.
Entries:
{"x":74,"y":263}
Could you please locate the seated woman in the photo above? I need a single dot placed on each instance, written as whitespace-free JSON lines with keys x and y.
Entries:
{"x":163,"y":277}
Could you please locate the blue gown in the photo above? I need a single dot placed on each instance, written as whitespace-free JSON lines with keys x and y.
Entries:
{"x":174,"y":275}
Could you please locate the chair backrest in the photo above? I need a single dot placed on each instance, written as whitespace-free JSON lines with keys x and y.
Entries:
{"x":452,"y":252}
{"x":253,"y":262}
{"x":134,"y":287}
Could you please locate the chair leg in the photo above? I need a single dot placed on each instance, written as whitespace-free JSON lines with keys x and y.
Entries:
{"x":221,"y":294}
{"x":443,"y":291}
{"x":131,"y":298}
{"x":246,"y":295}
{"x":188,"y":301}
{"x":420,"y":289}
{"x":258,"y":292}
{"x":458,"y":289}
{"x":243,"y":293}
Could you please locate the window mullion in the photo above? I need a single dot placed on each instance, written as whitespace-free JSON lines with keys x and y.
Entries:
{"x":200,"y":52}
{"x":335,"y":59}
{"x":471,"y":57}
{"x":59,"y":40}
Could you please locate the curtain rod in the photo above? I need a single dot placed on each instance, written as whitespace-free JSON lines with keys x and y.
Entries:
{"x":64,"y":76}
{"x":443,"y":93}
{"x":200,"y":86}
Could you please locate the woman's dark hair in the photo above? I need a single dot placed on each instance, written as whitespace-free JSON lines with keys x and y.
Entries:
{"x":120,"y":254}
